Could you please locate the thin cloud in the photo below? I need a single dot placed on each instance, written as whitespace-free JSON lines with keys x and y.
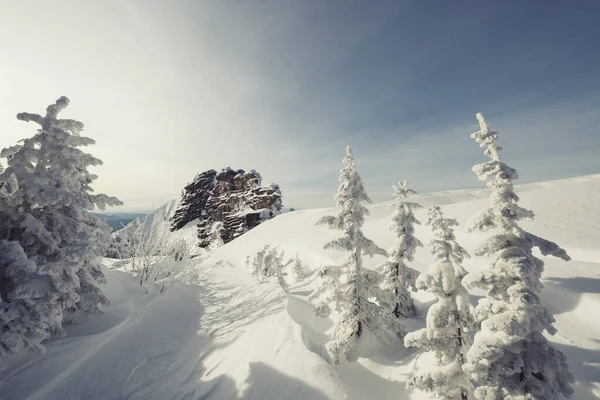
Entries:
{"x":170,"y":89}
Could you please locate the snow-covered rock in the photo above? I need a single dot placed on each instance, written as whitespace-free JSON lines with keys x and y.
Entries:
{"x":234,"y":198}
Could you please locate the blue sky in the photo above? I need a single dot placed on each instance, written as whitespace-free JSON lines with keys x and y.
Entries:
{"x":172,"y":88}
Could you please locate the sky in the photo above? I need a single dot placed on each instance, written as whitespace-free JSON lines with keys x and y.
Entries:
{"x":171,"y":88}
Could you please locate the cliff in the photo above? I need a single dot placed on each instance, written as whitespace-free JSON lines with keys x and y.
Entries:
{"x":226,"y":204}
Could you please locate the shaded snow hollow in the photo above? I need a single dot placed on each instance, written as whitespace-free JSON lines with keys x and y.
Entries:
{"x":225,"y":336}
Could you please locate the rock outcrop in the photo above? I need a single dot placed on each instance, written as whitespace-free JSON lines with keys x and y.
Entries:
{"x":234,"y":201}
{"x":194,"y":197}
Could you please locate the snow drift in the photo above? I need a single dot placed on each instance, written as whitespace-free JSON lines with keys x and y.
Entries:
{"x":223,"y":335}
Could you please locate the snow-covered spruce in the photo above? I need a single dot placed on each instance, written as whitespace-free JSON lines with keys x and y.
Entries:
{"x":298,"y":269}
{"x":510,"y":357}
{"x":347,"y":288}
{"x":398,"y":277}
{"x":52,"y":244}
{"x":447,"y":319}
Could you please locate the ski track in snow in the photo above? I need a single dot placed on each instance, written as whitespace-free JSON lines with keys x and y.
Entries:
{"x":225,"y":336}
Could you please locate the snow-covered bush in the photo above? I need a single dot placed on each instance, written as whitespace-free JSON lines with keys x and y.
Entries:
{"x":121,"y":247}
{"x":157,"y":255}
{"x":447,"y":319}
{"x":265,"y":263}
{"x":52,"y":244}
{"x":399,"y":278}
{"x":510,"y":357}
{"x":348,"y":289}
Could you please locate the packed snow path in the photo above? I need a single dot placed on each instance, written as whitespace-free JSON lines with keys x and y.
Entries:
{"x":225,"y":336}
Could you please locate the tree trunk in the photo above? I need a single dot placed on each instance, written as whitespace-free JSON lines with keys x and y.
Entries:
{"x":357,"y":271}
{"x":461,"y":356}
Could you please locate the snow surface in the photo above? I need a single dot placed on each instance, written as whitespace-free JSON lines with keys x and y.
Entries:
{"x":223,"y":335}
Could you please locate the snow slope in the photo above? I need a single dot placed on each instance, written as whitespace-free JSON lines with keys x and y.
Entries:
{"x":225,"y":336}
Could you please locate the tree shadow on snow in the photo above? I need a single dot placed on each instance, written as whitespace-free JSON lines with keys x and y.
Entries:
{"x":262,"y":382}
{"x":159,"y":350}
{"x":363,"y":383}
{"x":356,"y":379}
{"x":562,"y":295}
{"x":578,"y":284}
{"x":396,"y":355}
{"x":266,"y":383}
{"x":585,"y":366}
{"x":219,"y":328}
{"x":142,"y":356}
{"x":232,"y":307}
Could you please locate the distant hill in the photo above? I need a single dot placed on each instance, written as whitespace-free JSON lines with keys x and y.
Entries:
{"x":118,"y":220}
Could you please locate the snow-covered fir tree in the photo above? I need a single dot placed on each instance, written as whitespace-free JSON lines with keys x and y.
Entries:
{"x":510,"y":357}
{"x":52,"y":244}
{"x":348,"y":289}
{"x":298,"y":269}
{"x":447,"y":319}
{"x":399,"y":278}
